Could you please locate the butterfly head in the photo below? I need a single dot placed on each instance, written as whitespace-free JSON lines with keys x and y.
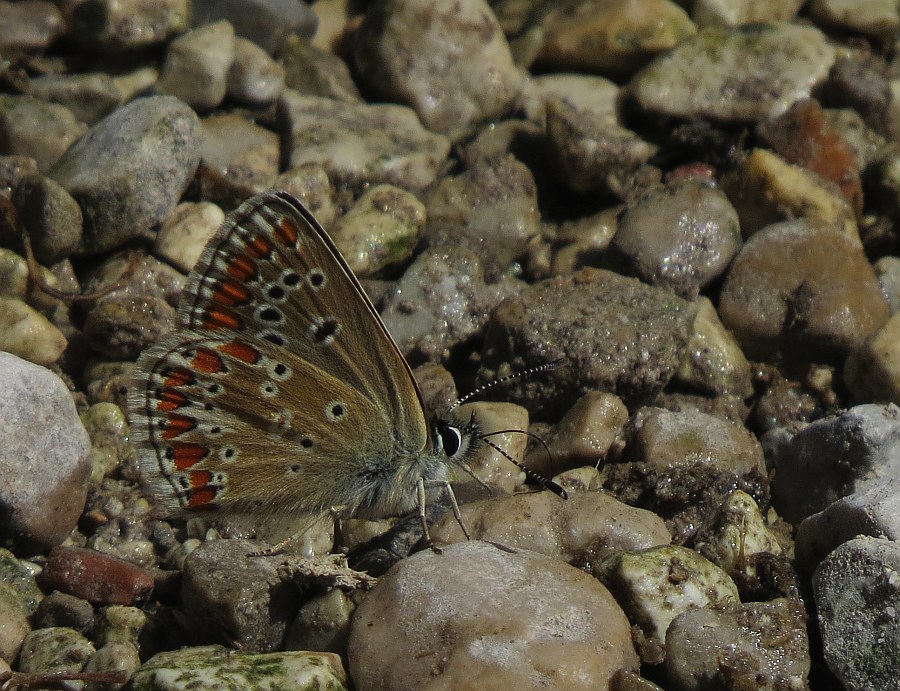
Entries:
{"x":454,"y":441}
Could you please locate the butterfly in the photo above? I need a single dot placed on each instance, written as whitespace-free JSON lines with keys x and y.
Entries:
{"x":282,"y":392}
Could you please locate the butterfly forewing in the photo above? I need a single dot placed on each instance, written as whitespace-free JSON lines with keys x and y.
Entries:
{"x":282,"y":368}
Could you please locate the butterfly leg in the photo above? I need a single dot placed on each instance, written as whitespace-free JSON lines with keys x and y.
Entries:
{"x":294,"y":543}
{"x":454,"y":505}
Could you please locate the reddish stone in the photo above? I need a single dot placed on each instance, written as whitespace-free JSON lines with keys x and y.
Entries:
{"x":96,"y":577}
{"x":805,"y":137}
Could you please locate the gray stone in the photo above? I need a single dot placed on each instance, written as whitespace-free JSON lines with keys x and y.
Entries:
{"x":735,"y":75}
{"x":42,"y":131}
{"x":265,"y":22}
{"x":128,"y":24}
{"x":454,"y":68}
{"x":51,"y":216}
{"x":682,"y":236}
{"x":129,"y":171}
{"x":235,"y":599}
{"x":857,"y":595}
{"x":362,"y":144}
{"x":613,"y":333}
{"x":45,"y":464}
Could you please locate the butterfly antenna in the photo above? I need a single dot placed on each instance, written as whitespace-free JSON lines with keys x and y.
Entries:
{"x":530,"y":372}
{"x":532,"y":475}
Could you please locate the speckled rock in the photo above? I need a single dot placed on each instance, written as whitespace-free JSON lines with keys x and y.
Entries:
{"x":42,"y":131}
{"x":453,"y":68}
{"x":581,"y":530}
{"x":121,"y":326}
{"x":830,"y":458}
{"x":107,"y":427}
{"x":758,"y":645}
{"x":737,"y":75}
{"x":233,"y":598}
{"x":740,"y":541}
{"x":584,"y":241}
{"x":681,"y":236}
{"x":197,"y":66}
{"x":15,"y":624}
{"x":128,"y":172}
{"x":583,"y":92}
{"x":656,"y":585}
{"x":323,"y":622}
{"x":128,"y":24}
{"x":359,"y":144}
{"x":217,"y":667}
{"x":858,"y":598}
{"x":51,"y":216}
{"x":665,"y":439}
{"x":441,"y":300}
{"x":594,"y":153}
{"x":14,"y":169}
{"x":46,"y":462}
{"x":139,"y":311}
{"x":795,"y":287}
{"x":62,"y":609}
{"x":613,"y":333}
{"x":19,"y":576}
{"x":492,"y":208}
{"x":613,"y":38}
{"x":493,"y":606}
{"x":54,"y":650}
{"x":380,"y":230}
{"x":309,"y":183}
{"x":888,"y":271}
{"x":115,"y":657}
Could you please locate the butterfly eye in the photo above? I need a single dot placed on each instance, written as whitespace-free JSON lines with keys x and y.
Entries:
{"x":451,"y":439}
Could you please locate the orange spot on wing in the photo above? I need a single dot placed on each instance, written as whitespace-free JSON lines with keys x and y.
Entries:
{"x":202,"y":498}
{"x":242,"y":269}
{"x":186,"y":455}
{"x":231,"y":293}
{"x":241,"y":351}
{"x":287,"y":232}
{"x":199,"y":478}
{"x":178,"y":376}
{"x":208,"y":360}
{"x":171,"y":399}
{"x":215,"y":319}
{"x":176,"y":425}
{"x":259,"y":247}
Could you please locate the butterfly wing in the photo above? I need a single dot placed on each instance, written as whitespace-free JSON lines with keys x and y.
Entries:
{"x":283,"y":387}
